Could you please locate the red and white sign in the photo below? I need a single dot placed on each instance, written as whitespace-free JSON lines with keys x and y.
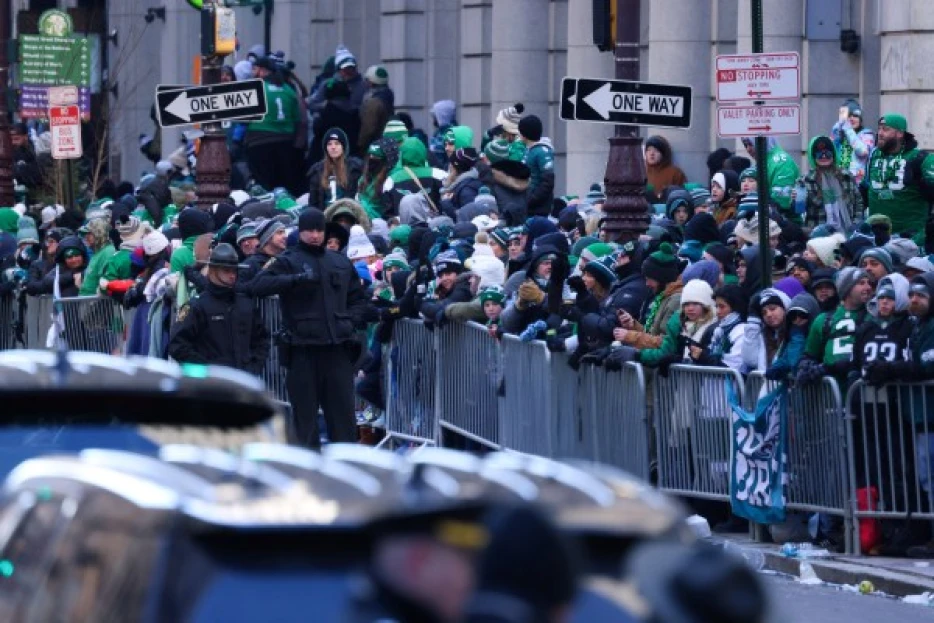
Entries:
{"x":740,"y":121}
{"x":753,"y":77}
{"x":65,"y":125}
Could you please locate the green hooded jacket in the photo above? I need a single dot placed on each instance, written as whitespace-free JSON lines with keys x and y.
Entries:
{"x":9,"y":220}
{"x":92,"y":276}
{"x":184,"y":255}
{"x":414,"y":155}
{"x":783,"y":172}
{"x":118,"y":267}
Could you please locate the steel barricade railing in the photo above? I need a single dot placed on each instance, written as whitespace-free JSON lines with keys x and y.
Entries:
{"x":92,"y":323}
{"x":273,"y":374}
{"x":469,"y":382}
{"x":694,"y":429}
{"x":615,"y":407}
{"x":411,"y":408}
{"x":891,"y":448}
{"x":38,"y":320}
{"x":527,"y":407}
{"x":571,"y":419}
{"x":7,"y":334}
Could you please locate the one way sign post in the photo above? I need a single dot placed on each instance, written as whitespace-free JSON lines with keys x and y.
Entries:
{"x":625,"y":102}
{"x":210,"y":103}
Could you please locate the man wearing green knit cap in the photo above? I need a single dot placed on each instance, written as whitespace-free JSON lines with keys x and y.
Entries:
{"x":898,"y":177}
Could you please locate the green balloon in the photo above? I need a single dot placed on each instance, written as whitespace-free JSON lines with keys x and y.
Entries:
{"x":196,"y":4}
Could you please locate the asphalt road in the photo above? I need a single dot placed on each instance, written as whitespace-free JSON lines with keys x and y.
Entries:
{"x":801,"y":603}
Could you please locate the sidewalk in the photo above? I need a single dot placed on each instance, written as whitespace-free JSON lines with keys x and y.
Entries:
{"x":898,"y":577}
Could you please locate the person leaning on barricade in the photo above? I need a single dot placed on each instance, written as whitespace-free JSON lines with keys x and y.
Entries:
{"x":221,"y":326}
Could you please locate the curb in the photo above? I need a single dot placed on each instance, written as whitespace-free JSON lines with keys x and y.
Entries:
{"x":834,"y":570}
{"x":895,"y":583}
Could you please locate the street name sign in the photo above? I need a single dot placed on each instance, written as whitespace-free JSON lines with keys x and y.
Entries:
{"x":626,"y":102}
{"x":215,"y":102}
{"x":741,"y":121}
{"x":65,"y":127}
{"x":758,"y":77}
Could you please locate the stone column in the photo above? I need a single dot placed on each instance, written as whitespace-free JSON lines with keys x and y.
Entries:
{"x":404,"y":48}
{"x":520,"y":56}
{"x":679,"y":53}
{"x":586,"y":143}
{"x":907,"y":71}
{"x":476,"y":55}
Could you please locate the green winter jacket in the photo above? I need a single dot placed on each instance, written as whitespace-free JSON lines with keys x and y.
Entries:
{"x":891,"y":196}
{"x":783,"y":172}
{"x":816,"y":214}
{"x":92,"y":276}
{"x":184,"y":255}
{"x":465,"y":312}
{"x":414,"y":155}
{"x":652,"y":356}
{"x":118,"y":267}
{"x":9,"y":220}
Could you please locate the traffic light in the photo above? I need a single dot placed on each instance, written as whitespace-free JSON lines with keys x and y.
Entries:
{"x":604,"y":24}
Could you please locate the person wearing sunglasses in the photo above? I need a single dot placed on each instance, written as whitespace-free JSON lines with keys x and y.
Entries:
{"x":832,"y":192}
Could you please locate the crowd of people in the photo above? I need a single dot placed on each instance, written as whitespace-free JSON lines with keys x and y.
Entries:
{"x":379,"y":222}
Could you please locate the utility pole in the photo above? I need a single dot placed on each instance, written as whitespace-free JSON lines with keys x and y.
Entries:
{"x":762,"y":174}
{"x":627,"y":211}
{"x":213,"y":171}
{"x":7,"y":196}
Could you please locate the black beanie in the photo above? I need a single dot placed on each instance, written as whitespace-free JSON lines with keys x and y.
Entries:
{"x":703,"y":228}
{"x":194,"y":222}
{"x":311,"y":219}
{"x":724,"y":255}
{"x":530,"y":127}
{"x":662,"y":266}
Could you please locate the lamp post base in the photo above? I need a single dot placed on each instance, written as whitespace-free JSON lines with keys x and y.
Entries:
{"x":627,"y":211}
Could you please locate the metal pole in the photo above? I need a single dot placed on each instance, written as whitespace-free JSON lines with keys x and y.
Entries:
{"x":267,"y":25}
{"x":213,"y":170}
{"x":7,"y":195}
{"x":627,"y":211}
{"x":69,"y":187}
{"x":762,"y":177}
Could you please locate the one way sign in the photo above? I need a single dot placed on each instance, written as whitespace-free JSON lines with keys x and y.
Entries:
{"x":215,"y":102}
{"x":625,"y":102}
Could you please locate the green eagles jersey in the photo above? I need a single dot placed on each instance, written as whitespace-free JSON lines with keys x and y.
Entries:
{"x":889,"y":195}
{"x":832,"y":342}
{"x":281,"y":111}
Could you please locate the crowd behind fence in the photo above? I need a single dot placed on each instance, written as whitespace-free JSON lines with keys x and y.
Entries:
{"x":458,"y":386}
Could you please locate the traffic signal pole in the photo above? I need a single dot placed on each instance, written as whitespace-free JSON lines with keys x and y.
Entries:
{"x":762,"y":177}
{"x":627,"y":211}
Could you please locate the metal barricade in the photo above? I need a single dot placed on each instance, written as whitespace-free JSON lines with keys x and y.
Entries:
{"x":273,"y":373}
{"x":527,"y":408}
{"x":571,"y":420}
{"x":38,"y":320}
{"x":694,"y":429}
{"x":891,"y":441}
{"x":7,"y":336}
{"x":614,"y":404}
{"x":92,"y":323}
{"x":470,"y":377}
{"x":411,"y":410}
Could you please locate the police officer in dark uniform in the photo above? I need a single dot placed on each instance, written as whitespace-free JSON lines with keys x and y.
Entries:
{"x":221,"y":326}
{"x":323,"y":304}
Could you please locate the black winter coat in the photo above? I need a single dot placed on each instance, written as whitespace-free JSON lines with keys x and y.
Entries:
{"x":319,"y":197}
{"x":509,"y":183}
{"x":222,"y":327}
{"x":320,"y":294}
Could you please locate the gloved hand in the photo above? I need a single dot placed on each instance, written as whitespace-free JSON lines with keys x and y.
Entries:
{"x":576,"y":284}
{"x":777,"y":372}
{"x":664,"y":365}
{"x":619,"y":356}
{"x":555,"y":344}
{"x":529,"y":295}
{"x":596,"y":357}
{"x":390,"y":314}
{"x":532,"y":331}
{"x":878,"y":373}
{"x":441,"y":318}
{"x":809,"y":371}
{"x":571,"y":312}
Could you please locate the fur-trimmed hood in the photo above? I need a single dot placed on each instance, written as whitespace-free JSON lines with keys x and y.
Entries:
{"x":355,"y":209}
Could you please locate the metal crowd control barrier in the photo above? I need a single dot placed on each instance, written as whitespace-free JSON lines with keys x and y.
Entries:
{"x":273,"y":374}
{"x":527,"y":414}
{"x":7,"y":335}
{"x":617,"y":417}
{"x":468,"y":401}
{"x":38,"y":320}
{"x":411,"y":410}
{"x":891,"y":441}
{"x":694,"y":429}
{"x":92,"y":323}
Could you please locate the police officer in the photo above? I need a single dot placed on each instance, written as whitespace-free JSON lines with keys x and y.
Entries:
{"x":323,"y":303}
{"x":221,"y":326}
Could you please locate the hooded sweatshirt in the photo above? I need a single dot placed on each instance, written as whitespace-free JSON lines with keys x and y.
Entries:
{"x":883,"y":339}
{"x":832,"y":195}
{"x":103,"y":251}
{"x":782,"y":174}
{"x":665,"y":173}
{"x":412,"y":174}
